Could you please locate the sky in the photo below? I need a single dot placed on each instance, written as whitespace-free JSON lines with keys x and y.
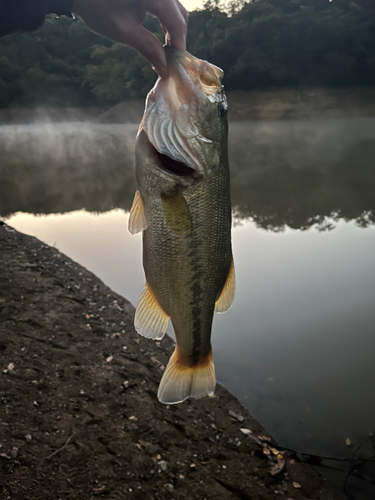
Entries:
{"x":192,"y":4}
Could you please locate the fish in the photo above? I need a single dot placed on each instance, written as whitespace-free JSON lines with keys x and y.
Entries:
{"x":182,"y":205}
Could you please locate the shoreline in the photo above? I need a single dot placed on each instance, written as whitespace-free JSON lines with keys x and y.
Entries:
{"x":283,"y":103}
{"x":80,"y":417}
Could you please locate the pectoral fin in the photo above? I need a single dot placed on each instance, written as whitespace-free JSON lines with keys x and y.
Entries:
{"x":176,"y":212}
{"x":150,"y":320}
{"x":138,"y":220}
{"x":226,"y":297}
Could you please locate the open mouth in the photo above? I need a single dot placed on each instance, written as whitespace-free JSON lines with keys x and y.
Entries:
{"x":174,"y":167}
{"x":169,"y":165}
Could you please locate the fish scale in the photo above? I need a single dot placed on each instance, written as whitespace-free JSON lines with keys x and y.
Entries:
{"x":185,"y":215}
{"x":163,"y":270}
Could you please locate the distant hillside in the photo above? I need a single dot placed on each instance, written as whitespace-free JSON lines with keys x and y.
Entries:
{"x":259,"y":44}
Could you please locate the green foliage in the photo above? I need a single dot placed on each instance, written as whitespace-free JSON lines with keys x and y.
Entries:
{"x":288,"y":42}
{"x":119,"y":74}
{"x":259,"y":43}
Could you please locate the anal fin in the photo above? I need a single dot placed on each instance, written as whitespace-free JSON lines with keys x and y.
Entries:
{"x":150,"y":320}
{"x":138,"y":220}
{"x":226,"y":296}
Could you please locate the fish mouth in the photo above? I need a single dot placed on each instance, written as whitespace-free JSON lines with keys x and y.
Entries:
{"x":187,"y":70}
{"x":171,"y":120}
{"x":174,"y":167}
{"x":167,"y":164}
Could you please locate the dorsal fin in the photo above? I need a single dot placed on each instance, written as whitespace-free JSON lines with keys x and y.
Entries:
{"x":226,"y":296}
{"x":138,"y":220}
{"x":150,"y":320}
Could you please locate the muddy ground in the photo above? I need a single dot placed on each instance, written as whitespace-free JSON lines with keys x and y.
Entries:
{"x":79,"y":417}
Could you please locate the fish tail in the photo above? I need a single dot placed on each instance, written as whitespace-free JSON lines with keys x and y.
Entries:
{"x":181,"y":381}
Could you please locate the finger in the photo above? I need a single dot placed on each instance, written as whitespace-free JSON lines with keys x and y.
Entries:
{"x":146,"y":44}
{"x":184,"y":12}
{"x":173,"y":16}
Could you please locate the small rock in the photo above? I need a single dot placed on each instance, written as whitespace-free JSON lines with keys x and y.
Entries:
{"x":14,"y":452}
{"x":133,"y":418}
{"x":163,"y":465}
{"x":247,"y":432}
{"x":237,"y":416}
{"x":169,"y":487}
{"x":109,"y":359}
{"x":28,"y":437}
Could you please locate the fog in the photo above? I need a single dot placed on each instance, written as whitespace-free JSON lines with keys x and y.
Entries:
{"x":296,"y":173}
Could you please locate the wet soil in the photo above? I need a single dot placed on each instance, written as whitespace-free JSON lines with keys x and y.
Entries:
{"x":79,"y":417}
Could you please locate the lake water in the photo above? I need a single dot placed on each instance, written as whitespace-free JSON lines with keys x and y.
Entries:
{"x":297,"y":347}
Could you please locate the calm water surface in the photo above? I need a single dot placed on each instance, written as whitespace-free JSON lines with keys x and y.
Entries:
{"x":297,"y":347}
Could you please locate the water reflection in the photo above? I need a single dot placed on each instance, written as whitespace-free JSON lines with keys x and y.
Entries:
{"x":287,"y":173}
{"x":301,"y":339}
{"x":296,"y":346}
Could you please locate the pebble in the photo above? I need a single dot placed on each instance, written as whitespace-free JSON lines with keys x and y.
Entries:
{"x":169,"y":487}
{"x":163,"y":465}
{"x":247,"y":432}
{"x":237,"y":416}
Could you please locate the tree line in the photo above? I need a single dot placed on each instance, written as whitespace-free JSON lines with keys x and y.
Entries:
{"x":259,"y":43}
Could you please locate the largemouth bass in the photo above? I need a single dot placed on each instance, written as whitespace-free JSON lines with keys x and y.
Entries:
{"x":182,"y":205}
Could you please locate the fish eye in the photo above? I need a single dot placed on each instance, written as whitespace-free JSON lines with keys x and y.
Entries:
{"x":222,"y":108}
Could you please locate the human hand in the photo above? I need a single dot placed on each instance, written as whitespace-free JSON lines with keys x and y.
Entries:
{"x":121,"y":21}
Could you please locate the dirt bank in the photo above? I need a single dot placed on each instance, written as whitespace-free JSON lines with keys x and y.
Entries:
{"x":301,"y":103}
{"x":79,"y":416}
{"x":274,"y":104}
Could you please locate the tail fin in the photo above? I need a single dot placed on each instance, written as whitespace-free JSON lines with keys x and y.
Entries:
{"x":180,"y":381}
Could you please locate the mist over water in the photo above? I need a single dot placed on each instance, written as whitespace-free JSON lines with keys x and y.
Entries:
{"x":295,"y":173}
{"x":297,"y":346}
